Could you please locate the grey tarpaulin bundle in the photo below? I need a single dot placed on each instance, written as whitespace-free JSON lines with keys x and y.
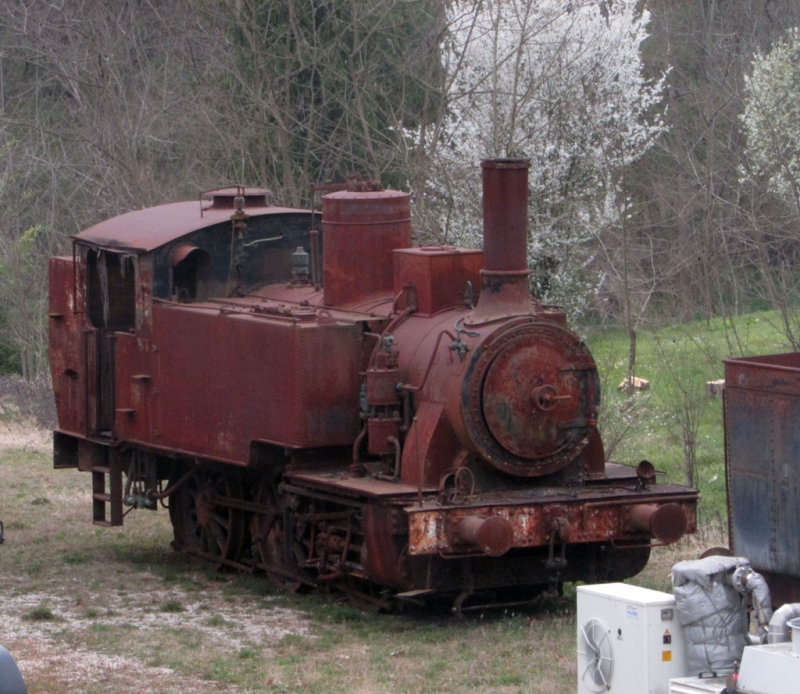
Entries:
{"x":711,"y":600}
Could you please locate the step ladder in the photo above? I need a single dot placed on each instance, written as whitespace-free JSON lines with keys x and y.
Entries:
{"x":107,"y":493}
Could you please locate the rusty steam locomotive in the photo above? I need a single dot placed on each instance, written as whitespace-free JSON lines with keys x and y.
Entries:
{"x":340,"y":407}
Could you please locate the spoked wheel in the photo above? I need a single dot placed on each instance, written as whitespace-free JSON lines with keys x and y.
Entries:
{"x":269,"y":538}
{"x":201,"y":524}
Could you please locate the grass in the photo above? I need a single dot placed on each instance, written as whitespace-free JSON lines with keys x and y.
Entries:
{"x":122,"y":593}
{"x":675,"y":414}
{"x":41,"y":614}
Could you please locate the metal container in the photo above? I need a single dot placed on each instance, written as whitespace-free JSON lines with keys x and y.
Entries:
{"x":762,"y":455}
{"x":360,"y":231}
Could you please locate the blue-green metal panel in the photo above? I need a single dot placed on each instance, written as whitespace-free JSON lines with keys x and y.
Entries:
{"x":762,"y":430}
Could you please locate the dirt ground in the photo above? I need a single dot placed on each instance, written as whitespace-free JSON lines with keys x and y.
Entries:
{"x":47,"y":666}
{"x":61,"y":653}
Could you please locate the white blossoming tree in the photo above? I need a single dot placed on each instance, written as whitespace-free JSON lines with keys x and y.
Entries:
{"x":558,"y":83}
{"x":771,"y":119}
{"x":770,"y":174}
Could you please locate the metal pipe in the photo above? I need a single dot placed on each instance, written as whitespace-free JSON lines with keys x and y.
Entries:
{"x":762,"y":604}
{"x":357,"y":444}
{"x":434,"y":351}
{"x":420,"y":464}
{"x":778,"y":625}
{"x":397,"y":455}
{"x":315,"y":259}
{"x":504,"y":278}
{"x":397,"y":450}
{"x":151,"y":494}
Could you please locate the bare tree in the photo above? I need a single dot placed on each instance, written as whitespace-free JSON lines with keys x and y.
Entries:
{"x":687,"y":187}
{"x":98,"y":117}
{"x":319,"y":91}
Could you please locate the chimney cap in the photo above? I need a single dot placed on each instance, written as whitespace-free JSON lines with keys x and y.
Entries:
{"x":500,"y":163}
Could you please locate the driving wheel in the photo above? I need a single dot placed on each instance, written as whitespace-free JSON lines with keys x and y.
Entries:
{"x":269,"y":538}
{"x":201,"y":522}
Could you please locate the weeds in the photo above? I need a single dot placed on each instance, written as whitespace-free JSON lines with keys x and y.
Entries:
{"x":27,"y":400}
{"x":218,"y":621}
{"x":75,"y":558}
{"x":33,"y":569}
{"x":41,"y":614}
{"x":173,"y":606}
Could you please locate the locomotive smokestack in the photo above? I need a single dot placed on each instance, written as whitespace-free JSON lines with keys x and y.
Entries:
{"x":505,"y":215}
{"x":504,"y":278}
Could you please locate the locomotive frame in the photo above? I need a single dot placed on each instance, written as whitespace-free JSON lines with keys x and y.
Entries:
{"x":336,"y":406}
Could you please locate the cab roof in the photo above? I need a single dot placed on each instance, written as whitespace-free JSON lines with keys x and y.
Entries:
{"x":148,"y":229}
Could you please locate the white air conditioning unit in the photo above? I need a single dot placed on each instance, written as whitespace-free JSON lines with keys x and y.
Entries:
{"x":629,"y":640}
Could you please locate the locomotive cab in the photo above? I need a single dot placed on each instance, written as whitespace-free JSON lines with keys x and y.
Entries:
{"x":124,"y":269}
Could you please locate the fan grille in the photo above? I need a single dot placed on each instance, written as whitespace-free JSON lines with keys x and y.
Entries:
{"x":595,"y":656}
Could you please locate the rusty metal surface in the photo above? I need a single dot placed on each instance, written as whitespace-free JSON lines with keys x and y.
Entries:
{"x":232,"y":197}
{"x":532,"y":411}
{"x":530,"y":398}
{"x":595,"y":514}
{"x":505,"y":214}
{"x":665,"y":523}
{"x":493,"y":536}
{"x":289,"y":380}
{"x":67,"y":358}
{"x":762,"y":450}
{"x":439,"y":276}
{"x":417,"y":430}
{"x":356,"y":487}
{"x":522,"y":394}
{"x":504,"y":278}
{"x":380,"y":555}
{"x":360,"y":231}
{"x":145,"y":230}
{"x":590,"y":518}
{"x":209,"y":383}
